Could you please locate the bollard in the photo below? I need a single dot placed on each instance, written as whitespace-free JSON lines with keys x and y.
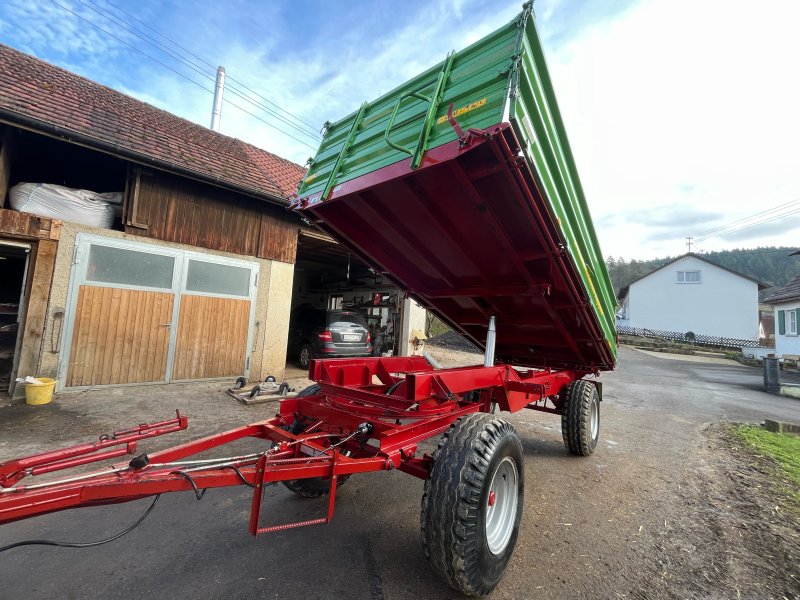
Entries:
{"x":772,"y":375}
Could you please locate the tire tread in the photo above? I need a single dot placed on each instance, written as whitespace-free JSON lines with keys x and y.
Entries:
{"x":449,"y":522}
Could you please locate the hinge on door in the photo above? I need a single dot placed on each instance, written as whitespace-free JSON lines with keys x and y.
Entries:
{"x":75,"y":254}
{"x":255,"y":283}
{"x":247,"y":363}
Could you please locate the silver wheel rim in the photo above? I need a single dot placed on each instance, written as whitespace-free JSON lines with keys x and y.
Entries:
{"x":595,"y":418}
{"x":304,"y":356}
{"x":501,"y":506}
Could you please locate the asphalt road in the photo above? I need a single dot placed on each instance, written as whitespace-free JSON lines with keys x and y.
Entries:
{"x":634,"y":520}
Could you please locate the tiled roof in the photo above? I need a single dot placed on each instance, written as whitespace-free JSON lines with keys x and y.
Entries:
{"x":35,"y":90}
{"x":788,"y":292}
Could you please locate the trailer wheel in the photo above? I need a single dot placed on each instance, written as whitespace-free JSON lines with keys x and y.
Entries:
{"x":316,"y":486}
{"x":305,"y":355}
{"x":580,"y":418}
{"x":472,"y":503}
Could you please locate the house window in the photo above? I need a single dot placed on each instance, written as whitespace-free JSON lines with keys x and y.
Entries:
{"x":787,"y":322}
{"x":688,"y":276}
{"x":335,"y":302}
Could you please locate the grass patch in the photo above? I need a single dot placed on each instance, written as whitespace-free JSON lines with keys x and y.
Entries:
{"x":782,"y":448}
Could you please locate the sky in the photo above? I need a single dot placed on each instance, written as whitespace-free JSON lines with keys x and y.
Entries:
{"x":683,"y":115}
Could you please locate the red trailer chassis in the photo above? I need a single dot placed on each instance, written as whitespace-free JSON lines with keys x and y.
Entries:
{"x":369,"y":414}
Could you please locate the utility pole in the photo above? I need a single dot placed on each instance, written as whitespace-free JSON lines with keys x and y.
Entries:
{"x":689,"y":242}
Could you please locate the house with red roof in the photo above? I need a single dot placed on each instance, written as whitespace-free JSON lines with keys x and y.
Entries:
{"x":187,"y":274}
{"x":139,"y":247}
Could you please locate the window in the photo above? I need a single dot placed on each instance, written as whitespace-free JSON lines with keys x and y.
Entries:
{"x":214,"y":278}
{"x":335,"y":302}
{"x":787,"y":322}
{"x":108,"y":264}
{"x":688,"y":276}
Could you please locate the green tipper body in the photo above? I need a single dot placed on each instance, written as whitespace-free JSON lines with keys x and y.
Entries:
{"x":501,"y":78}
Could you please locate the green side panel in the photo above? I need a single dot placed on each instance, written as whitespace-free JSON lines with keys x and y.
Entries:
{"x":537,"y":122}
{"x":479,"y":82}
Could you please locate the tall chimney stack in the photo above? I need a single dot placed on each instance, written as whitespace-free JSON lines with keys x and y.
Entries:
{"x":217,"y":110}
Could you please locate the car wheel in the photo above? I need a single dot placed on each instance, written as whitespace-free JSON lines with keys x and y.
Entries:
{"x":305,"y":355}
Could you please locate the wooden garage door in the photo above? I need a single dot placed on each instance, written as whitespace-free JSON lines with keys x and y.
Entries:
{"x":212,"y":337}
{"x":143,"y":314}
{"x":119,"y":336}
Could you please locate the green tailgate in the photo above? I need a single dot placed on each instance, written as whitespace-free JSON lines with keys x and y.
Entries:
{"x":500,"y":78}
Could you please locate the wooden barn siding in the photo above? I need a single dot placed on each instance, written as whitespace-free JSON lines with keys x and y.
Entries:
{"x":174,"y":210}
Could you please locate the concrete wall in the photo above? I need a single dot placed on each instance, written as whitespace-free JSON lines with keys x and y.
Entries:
{"x":412,"y":316}
{"x":722,"y":304}
{"x":268,"y":356}
{"x":788,"y":343}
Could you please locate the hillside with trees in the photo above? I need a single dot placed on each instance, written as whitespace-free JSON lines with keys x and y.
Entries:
{"x":771,"y":265}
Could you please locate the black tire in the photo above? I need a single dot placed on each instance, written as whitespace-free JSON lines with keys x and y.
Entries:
{"x":310,"y":390}
{"x":456,"y":503}
{"x":254,"y":391}
{"x":305,"y":355}
{"x":316,"y":486}
{"x":580,"y":417}
{"x":240,"y":383}
{"x":270,"y":378}
{"x":283,"y":389}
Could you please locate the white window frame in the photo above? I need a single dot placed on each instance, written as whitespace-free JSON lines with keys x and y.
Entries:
{"x":682,"y":277}
{"x":791,"y":322}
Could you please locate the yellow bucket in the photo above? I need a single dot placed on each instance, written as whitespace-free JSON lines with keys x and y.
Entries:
{"x":40,"y":394}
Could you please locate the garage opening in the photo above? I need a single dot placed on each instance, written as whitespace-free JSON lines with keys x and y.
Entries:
{"x":13,"y":270}
{"x":327,"y":277}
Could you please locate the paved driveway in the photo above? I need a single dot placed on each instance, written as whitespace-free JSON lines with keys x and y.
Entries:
{"x":665,"y":508}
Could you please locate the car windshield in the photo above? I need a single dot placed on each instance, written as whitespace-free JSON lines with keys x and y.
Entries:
{"x":345,"y":320}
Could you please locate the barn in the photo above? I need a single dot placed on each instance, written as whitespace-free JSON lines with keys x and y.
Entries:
{"x":195,"y":270}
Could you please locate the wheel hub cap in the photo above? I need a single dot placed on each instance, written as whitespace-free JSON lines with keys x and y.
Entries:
{"x":501,"y":506}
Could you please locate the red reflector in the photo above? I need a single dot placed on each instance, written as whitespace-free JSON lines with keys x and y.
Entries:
{"x":369,"y":338}
{"x":326,"y":336}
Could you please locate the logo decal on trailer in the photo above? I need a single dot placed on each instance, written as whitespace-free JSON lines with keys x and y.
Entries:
{"x":462,"y":110}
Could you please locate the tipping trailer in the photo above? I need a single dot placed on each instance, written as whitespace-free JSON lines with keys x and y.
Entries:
{"x":460,"y":187}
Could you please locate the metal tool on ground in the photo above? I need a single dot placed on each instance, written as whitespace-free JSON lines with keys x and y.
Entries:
{"x":268,"y":387}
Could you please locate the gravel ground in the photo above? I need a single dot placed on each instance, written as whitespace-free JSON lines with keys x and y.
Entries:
{"x":667,"y":507}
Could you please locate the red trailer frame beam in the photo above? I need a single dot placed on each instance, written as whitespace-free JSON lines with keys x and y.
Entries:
{"x":349,"y":411}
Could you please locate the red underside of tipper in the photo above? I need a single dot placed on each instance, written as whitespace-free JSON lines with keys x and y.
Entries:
{"x":470,"y":235}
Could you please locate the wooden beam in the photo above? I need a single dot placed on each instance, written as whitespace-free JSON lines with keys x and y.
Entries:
{"x":33,"y":326}
{"x":25,"y":226}
{"x":6,"y":150}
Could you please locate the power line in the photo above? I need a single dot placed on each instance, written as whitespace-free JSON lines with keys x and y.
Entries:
{"x":745,"y":219}
{"x":193,"y":66}
{"x":312,"y":128}
{"x":200,"y":85}
{"x":763,"y":221}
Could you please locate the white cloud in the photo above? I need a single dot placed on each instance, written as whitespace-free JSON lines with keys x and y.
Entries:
{"x":47,"y":26}
{"x":684,"y":103}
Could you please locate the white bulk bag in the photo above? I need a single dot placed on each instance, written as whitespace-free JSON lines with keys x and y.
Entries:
{"x":66,"y":204}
